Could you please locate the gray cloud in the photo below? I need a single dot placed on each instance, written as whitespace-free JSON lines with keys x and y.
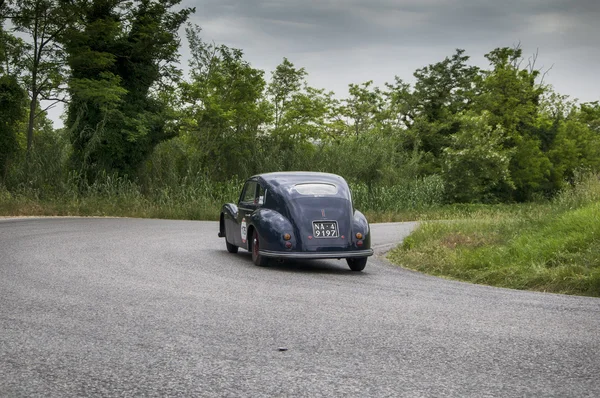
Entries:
{"x":345,"y":41}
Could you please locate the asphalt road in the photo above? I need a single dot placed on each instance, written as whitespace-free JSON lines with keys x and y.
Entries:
{"x":123,"y":307}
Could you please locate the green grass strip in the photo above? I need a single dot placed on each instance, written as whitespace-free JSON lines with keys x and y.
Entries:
{"x":544,"y":251}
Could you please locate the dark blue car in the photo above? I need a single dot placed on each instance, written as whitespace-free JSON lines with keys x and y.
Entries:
{"x":300,"y":215}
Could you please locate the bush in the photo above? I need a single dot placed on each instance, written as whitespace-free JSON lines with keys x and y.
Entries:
{"x":419,"y":193}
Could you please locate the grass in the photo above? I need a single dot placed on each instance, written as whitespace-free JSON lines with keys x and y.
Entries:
{"x":123,"y":199}
{"x":123,"y":204}
{"x":552,"y":247}
{"x":195,"y":199}
{"x":94,"y":206}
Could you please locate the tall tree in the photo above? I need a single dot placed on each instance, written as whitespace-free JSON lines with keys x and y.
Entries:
{"x":476,"y":163}
{"x":118,"y":51}
{"x":363,"y":106}
{"x":442,"y":90}
{"x":590,"y":114}
{"x":12,"y":111}
{"x":44,"y":67}
{"x":12,"y":96}
{"x":225,"y":106}
{"x":512,"y":95}
{"x":445,"y":88}
{"x":3,"y":37}
{"x":286,"y":81}
{"x":401,"y":103}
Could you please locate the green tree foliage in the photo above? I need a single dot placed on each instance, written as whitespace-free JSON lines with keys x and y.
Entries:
{"x":441,"y":91}
{"x":445,"y":88}
{"x":363,"y":107}
{"x":302,"y":116}
{"x":225,"y":107}
{"x":590,"y":114}
{"x":509,"y":92}
{"x":12,"y":111}
{"x":11,"y":47}
{"x":575,"y":148}
{"x":286,"y":81}
{"x":117,"y":52}
{"x":42,"y":59}
{"x":476,"y":163}
{"x":512,"y":96}
{"x":306,"y":116}
{"x":43,"y":171}
{"x":11,"y":54}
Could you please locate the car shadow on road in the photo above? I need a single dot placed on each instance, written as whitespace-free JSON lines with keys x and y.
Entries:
{"x":333,"y":267}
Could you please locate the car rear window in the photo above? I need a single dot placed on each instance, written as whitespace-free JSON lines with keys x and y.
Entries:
{"x":316,"y":189}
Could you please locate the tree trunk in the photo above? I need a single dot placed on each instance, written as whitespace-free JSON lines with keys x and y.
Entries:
{"x":32,"y":109}
{"x":37,"y":53}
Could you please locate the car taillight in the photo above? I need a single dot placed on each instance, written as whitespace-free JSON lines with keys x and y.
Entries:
{"x":288,"y":245}
{"x":287,"y":237}
{"x":359,"y":243}
{"x":359,"y":235}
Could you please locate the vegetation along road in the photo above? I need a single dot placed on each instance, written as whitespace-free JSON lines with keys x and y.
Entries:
{"x":117,"y":307}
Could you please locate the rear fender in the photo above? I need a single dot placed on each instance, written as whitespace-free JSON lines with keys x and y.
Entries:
{"x":360,"y":224}
{"x":230,"y":210}
{"x":228,"y":221}
{"x":271,"y":226}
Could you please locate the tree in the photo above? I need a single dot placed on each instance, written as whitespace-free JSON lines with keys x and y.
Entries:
{"x":512,"y":95}
{"x":10,"y":46}
{"x":442,"y":90}
{"x":401,"y":104}
{"x":363,"y":106}
{"x":589,"y":113}
{"x":575,"y":148}
{"x":12,"y":96}
{"x":118,"y":51}
{"x":301,"y":116}
{"x":476,"y":163}
{"x":306,"y":116}
{"x":445,"y":88}
{"x":43,"y":61}
{"x":12,"y":111}
{"x":11,"y":54}
{"x":285,"y":82}
{"x":225,"y":107}
{"x":510,"y":92}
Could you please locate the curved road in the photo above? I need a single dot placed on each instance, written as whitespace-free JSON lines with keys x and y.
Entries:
{"x":126,"y":307}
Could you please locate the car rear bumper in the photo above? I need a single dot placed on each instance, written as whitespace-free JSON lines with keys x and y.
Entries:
{"x":317,"y":255}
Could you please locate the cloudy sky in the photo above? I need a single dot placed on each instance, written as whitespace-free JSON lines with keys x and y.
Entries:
{"x":352,"y":41}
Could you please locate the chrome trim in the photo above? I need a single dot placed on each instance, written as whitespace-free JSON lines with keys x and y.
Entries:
{"x":317,"y":255}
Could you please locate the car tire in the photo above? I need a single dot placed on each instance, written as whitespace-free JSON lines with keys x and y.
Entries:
{"x":230,"y":247}
{"x":357,"y":264}
{"x":257,"y":259}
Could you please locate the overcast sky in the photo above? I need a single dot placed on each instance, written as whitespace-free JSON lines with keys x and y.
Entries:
{"x":352,"y":41}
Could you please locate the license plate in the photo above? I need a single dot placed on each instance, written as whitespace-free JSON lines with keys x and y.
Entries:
{"x":325,"y":229}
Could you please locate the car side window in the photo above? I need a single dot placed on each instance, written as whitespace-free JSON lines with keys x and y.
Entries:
{"x":249,"y":192}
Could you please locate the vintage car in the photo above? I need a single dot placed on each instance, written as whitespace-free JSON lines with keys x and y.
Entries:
{"x":300,"y":215}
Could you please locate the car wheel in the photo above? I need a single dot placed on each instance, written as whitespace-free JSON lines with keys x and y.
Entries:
{"x":230,"y":248}
{"x":256,"y":257}
{"x":357,"y":264}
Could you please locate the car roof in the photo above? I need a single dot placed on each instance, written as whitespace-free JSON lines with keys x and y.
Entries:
{"x":286,"y":178}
